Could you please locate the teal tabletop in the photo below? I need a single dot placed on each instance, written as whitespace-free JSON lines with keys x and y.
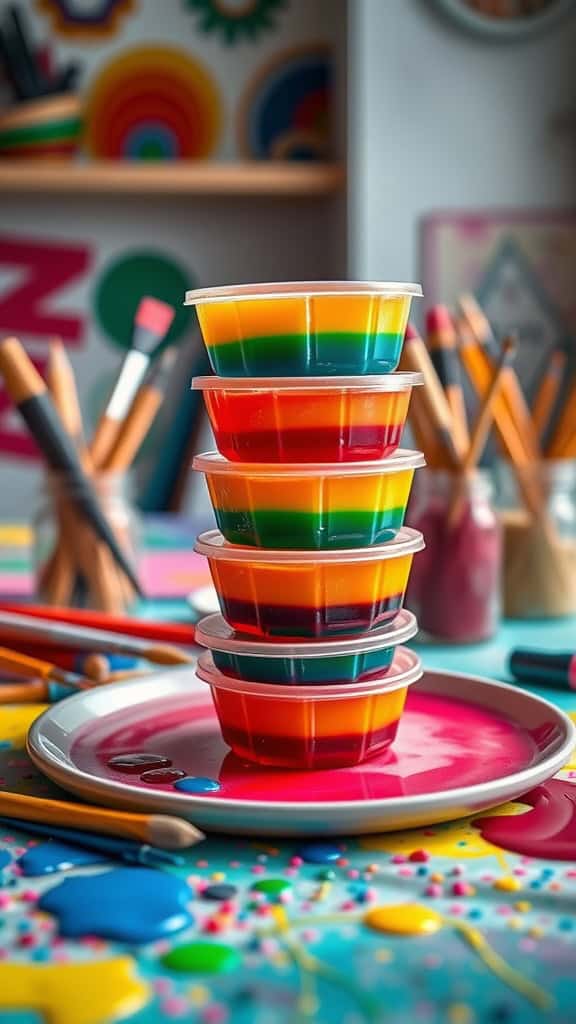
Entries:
{"x":431,"y":926}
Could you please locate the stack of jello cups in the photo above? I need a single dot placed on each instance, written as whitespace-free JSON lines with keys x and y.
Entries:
{"x":309,"y":488}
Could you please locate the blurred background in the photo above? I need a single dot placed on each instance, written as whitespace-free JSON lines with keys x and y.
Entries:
{"x":152,"y":147}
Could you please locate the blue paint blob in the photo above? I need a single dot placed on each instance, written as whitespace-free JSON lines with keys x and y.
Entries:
{"x":197,"y":784}
{"x":5,"y":745}
{"x":222,"y":891}
{"x":5,"y":859}
{"x":47,"y":858}
{"x":320,"y":853}
{"x":127,"y":905}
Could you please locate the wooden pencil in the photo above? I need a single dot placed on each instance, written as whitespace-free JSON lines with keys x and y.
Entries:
{"x":415,"y":357}
{"x":441,"y":339}
{"x":547,"y":393}
{"x":161,"y":830}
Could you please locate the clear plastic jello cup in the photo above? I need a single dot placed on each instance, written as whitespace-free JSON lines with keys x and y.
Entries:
{"x":309,"y":594}
{"x":311,"y":727}
{"x":307,"y":663}
{"x":308,"y":505}
{"x":308,"y":419}
{"x":304,"y":328}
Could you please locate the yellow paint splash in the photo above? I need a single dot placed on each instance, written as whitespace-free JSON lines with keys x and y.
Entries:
{"x":15,"y":720}
{"x":404,"y":919}
{"x":90,"y":993}
{"x":507,"y":884}
{"x":494,"y":962}
{"x":455,"y":839}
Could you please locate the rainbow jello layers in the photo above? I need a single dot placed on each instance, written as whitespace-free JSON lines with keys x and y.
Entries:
{"x":308,"y":419}
{"x":281,"y":593}
{"x":311,"y":727}
{"x":306,"y":662}
{"x":297,"y":329}
{"x":309,"y":505}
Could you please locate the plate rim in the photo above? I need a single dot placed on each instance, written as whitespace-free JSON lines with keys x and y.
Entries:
{"x":101,"y":787}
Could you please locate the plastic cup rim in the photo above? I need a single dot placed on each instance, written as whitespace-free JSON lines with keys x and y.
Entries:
{"x":213,"y":544}
{"x":391,"y":634}
{"x":300,"y":289}
{"x":394,"y":679}
{"x":390,"y":382}
{"x":402,"y":459}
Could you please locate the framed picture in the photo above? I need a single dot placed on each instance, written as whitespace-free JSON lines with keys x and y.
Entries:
{"x":520,"y":264}
{"x":506,"y":20}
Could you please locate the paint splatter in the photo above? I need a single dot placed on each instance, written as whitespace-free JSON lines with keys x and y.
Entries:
{"x":127,"y":904}
{"x":197,"y":784}
{"x":547,"y":829}
{"x":133,"y":764}
{"x":47,"y":858}
{"x":221,"y":891}
{"x":272,"y":886}
{"x":202,"y":958}
{"x":110,"y":990}
{"x":320,"y":853}
{"x":404,"y":919}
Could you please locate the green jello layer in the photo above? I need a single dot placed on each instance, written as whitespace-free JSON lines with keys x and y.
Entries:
{"x":298,"y":354}
{"x":346,"y":528}
{"x":347,"y":668}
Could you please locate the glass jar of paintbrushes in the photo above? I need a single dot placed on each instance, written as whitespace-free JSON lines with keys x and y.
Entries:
{"x":539,"y":576}
{"x":72,"y":565}
{"x":454,"y":588}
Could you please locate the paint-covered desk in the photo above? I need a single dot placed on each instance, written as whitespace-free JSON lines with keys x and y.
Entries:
{"x":304,"y":949}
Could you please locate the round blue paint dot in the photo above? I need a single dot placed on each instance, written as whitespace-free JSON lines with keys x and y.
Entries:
{"x":503,"y":1013}
{"x":219,"y":892}
{"x":547,"y":872}
{"x":536,"y":885}
{"x":475,"y":914}
{"x":326,"y":876}
{"x":320,"y":853}
{"x":40,"y":955}
{"x":197,"y":784}
{"x":5,"y":745}
{"x":24,"y":926}
{"x":422,"y":870}
{"x":566,"y":924}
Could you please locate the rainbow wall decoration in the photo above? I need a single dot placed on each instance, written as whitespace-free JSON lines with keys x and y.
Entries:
{"x":153,"y":103}
{"x":285,"y":113}
{"x":85,"y":22}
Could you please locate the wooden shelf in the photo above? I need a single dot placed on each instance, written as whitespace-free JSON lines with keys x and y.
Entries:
{"x":200,"y":178}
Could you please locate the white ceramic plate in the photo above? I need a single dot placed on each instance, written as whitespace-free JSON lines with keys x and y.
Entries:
{"x":464,"y":744}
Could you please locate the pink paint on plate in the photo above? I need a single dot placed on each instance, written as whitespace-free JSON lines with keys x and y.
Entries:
{"x":443,"y":743}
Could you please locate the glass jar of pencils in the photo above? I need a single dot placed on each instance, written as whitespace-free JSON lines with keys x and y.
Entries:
{"x":538,"y":513}
{"x":454,"y":587}
{"x":72,"y":566}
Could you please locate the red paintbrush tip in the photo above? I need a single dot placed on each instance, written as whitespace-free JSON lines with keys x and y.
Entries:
{"x":411,"y":333}
{"x":439,"y":321}
{"x":154,"y":316}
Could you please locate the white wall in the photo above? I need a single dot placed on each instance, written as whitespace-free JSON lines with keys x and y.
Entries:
{"x":442,"y":119}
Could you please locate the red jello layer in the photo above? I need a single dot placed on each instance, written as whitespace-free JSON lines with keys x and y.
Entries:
{"x":311,"y":751}
{"x":315,"y":444}
{"x":300,"y":621}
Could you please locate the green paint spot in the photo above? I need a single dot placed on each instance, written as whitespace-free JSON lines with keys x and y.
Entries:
{"x":127,"y":280}
{"x":272,"y":886}
{"x":202,"y":958}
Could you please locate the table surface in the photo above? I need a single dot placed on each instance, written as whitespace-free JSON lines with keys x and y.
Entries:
{"x":311,"y":956}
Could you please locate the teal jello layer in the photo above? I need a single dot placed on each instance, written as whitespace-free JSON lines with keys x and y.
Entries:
{"x":330,"y":353}
{"x":273,"y":528}
{"x":344,"y":668}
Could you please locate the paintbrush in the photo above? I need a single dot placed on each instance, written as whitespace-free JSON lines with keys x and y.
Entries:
{"x":37,"y":691}
{"x":97,"y":640}
{"x":28,"y":392}
{"x":151,"y":325}
{"x":62,"y":386}
{"x":123,"y":849}
{"x":442,"y":340}
{"x":33,"y":668}
{"x":142,"y":413}
{"x":166,"y":632}
{"x":161,"y":830}
{"x":481,"y":429}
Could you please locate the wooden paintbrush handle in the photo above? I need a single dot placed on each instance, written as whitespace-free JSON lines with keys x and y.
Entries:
{"x":92,"y":819}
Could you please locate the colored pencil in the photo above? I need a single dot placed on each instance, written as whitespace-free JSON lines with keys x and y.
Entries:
{"x":416,"y":357}
{"x":481,"y":429}
{"x":547,"y":393}
{"x":123,"y":849}
{"x":441,"y":339}
{"x":165,"y":831}
{"x":151,"y":325}
{"x":163,"y":632}
{"x":50,"y":631}
{"x":28,"y":392}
